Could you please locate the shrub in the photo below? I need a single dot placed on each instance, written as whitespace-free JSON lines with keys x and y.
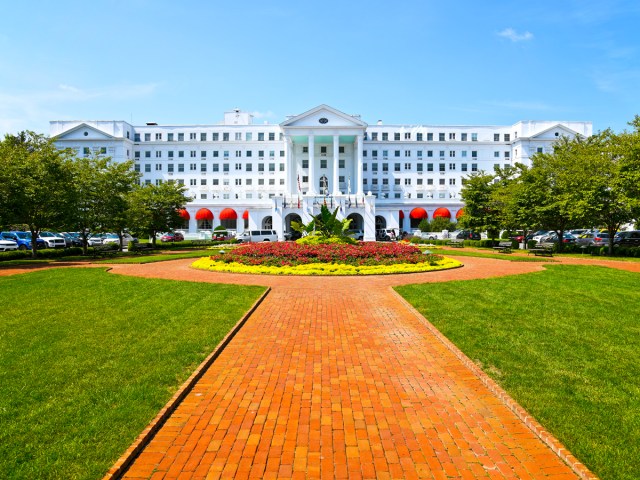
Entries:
{"x":320,"y":240}
{"x":506,"y":235}
{"x":532,"y":244}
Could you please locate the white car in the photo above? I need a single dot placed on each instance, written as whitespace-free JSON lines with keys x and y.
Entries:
{"x":6,"y":245}
{"x":113,"y":238}
{"x":52,"y":240}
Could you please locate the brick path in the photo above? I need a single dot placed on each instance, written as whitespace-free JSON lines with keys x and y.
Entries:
{"x":338,"y":378}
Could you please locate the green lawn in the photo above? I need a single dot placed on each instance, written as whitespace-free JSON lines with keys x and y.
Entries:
{"x":87,"y":359}
{"x":565,"y":343}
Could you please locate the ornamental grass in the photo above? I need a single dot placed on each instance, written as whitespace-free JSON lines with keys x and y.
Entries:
{"x":289,"y":254}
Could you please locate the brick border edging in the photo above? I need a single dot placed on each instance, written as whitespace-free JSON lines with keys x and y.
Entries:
{"x":547,"y":438}
{"x":124,"y":462}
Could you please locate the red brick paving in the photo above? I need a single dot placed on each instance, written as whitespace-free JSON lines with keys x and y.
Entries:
{"x":334,"y":377}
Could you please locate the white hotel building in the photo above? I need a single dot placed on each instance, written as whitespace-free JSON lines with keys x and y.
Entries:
{"x":246,"y":175}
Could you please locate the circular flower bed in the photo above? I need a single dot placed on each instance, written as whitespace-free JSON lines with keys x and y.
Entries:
{"x":290,"y":258}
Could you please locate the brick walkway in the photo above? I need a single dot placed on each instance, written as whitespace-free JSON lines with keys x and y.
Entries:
{"x":338,"y":378}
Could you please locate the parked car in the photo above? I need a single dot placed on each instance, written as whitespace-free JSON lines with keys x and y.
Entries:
{"x":600,"y":239}
{"x":518,"y":236}
{"x":466,"y":235}
{"x":73,"y":239}
{"x":6,"y":245}
{"x":630,"y":238}
{"x":52,"y":240}
{"x":355,"y":233}
{"x":23,"y":239}
{"x":579,"y":231}
{"x":537,"y":233}
{"x":221,"y":235}
{"x":552,"y":237}
{"x":95,"y":239}
{"x":113,"y":238}
{"x":257,"y":236}
{"x":172,"y":237}
{"x":387,"y":234}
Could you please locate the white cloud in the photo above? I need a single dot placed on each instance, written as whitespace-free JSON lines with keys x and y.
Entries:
{"x":258,"y":115}
{"x":514,"y":36}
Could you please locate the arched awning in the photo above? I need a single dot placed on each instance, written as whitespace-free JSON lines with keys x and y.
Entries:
{"x":228,"y":214}
{"x":442,"y":212}
{"x":401,"y":215}
{"x":418,"y":213}
{"x":245,"y":215}
{"x":184,"y":214}
{"x":204,"y":214}
{"x":460,"y":213}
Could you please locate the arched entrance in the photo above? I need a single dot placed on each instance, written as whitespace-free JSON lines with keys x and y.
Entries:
{"x":323,"y":185}
{"x":204,"y":218}
{"x":381,"y":222}
{"x":357,"y":222}
{"x":267,"y":223}
{"x":417,"y":215}
{"x":290,"y":233}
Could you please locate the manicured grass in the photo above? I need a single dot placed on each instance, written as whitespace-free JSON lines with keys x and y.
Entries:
{"x":511,"y":257}
{"x":158,"y":257}
{"x":565,"y":343}
{"x":87,"y":359}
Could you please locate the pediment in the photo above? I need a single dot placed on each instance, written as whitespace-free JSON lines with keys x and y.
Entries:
{"x":550,"y":133}
{"x":323,"y":116}
{"x":84,"y":132}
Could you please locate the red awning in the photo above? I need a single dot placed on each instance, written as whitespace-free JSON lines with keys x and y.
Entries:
{"x":401,"y":215}
{"x":418,"y":213}
{"x":228,"y":214}
{"x":204,"y":214}
{"x":245,"y":215}
{"x":442,"y":212}
{"x":184,"y":214}
{"x":460,"y":213}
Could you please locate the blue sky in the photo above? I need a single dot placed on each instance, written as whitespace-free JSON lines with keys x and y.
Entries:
{"x":410,"y":62}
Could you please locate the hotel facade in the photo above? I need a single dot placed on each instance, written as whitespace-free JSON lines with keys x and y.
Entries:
{"x":251,"y":176}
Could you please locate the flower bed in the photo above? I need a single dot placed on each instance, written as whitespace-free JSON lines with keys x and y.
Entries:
{"x":290,"y":258}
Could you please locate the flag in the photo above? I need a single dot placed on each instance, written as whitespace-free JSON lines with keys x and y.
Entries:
{"x":298,"y":201}
{"x":349,"y":185}
{"x":299,"y":187}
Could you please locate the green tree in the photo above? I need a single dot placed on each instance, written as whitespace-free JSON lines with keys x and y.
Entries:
{"x":441,"y":223}
{"x":480,"y":213}
{"x":38,"y":183}
{"x":424,"y":225}
{"x":154,"y":208}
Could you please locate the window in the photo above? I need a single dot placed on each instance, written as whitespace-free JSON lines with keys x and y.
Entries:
{"x":452,"y":181}
{"x":364,"y":167}
{"x":419,"y":167}
{"x":374,"y":167}
{"x":429,"y":153}
{"x":340,"y":149}
{"x":323,"y":163}
{"x":203,"y":167}
{"x":248,"y":182}
{"x":419,"y":153}
{"x":181,"y":167}
{"x":539,"y":150}
{"x":452,"y":166}
{"x":441,"y":181}
{"x":203,"y":196}
{"x":441,"y":167}
{"x":429,"y":137}
{"x":225,"y":136}
{"x":429,"y":167}
{"x":407,"y":166}
{"x":203,"y":182}
{"x":463,"y":137}
{"x":496,"y":137}
{"x":385,"y":153}
{"x":203,"y":154}
{"x":225,"y":168}
{"x":248,"y":136}
{"x":407,"y":153}
{"x":281,"y":167}
{"x":441,"y":137}
{"x":496,"y":154}
{"x":181,"y":137}
{"x":193,"y":167}
{"x":260,"y":153}
{"x":238,"y":182}
{"x":507,"y":154}
{"x":87,"y":151}
{"x":396,"y":153}
{"x":396,"y":167}
{"x":158,"y":154}
{"x":181,"y":154}
{"x":203,"y":137}
{"x":441,"y":153}
{"x":452,"y":136}
{"x":147,"y":137}
{"x":474,"y":167}
{"x":305,"y":163}
{"x":374,"y":181}
{"x":507,"y":137}
{"x":374,"y":153}
{"x":215,"y":182}
{"x":474,"y":137}
{"x":238,"y":136}
{"x":396,"y":181}
{"x":147,"y":168}
{"x":238,"y":166}
{"x":323,"y":150}
{"x":463,"y":167}
{"x":225,"y":154}
{"x":419,"y":137}
{"x":385,"y":136}
{"x":407,"y":136}
{"x":429,"y":181}
{"x":464,"y":154}
{"x":474,"y":154}
{"x":374,"y":136}
{"x":238,"y":153}
{"x":305,"y":179}
{"x":341,"y":163}
{"x":215,"y":167}
{"x":272,"y":136}
{"x":385,"y":167}
{"x":193,"y":154}
{"x":261,"y":167}
{"x":419,"y":181}
{"x":452,"y":153}
{"x":407,"y":181}
{"x":281,"y":153}
{"x":136,"y":168}
{"x":396,"y":136}
{"x":261,"y":137}
{"x":158,"y":136}
{"x":248,"y":167}
{"x":249,"y":153}
{"x":136,"y":137}
{"x":170,"y":154}
{"x":272,"y":181}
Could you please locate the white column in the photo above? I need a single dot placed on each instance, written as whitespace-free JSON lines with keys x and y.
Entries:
{"x":312,"y":165}
{"x":336,"y":163}
{"x":359,"y":164}
{"x":291,"y":186}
